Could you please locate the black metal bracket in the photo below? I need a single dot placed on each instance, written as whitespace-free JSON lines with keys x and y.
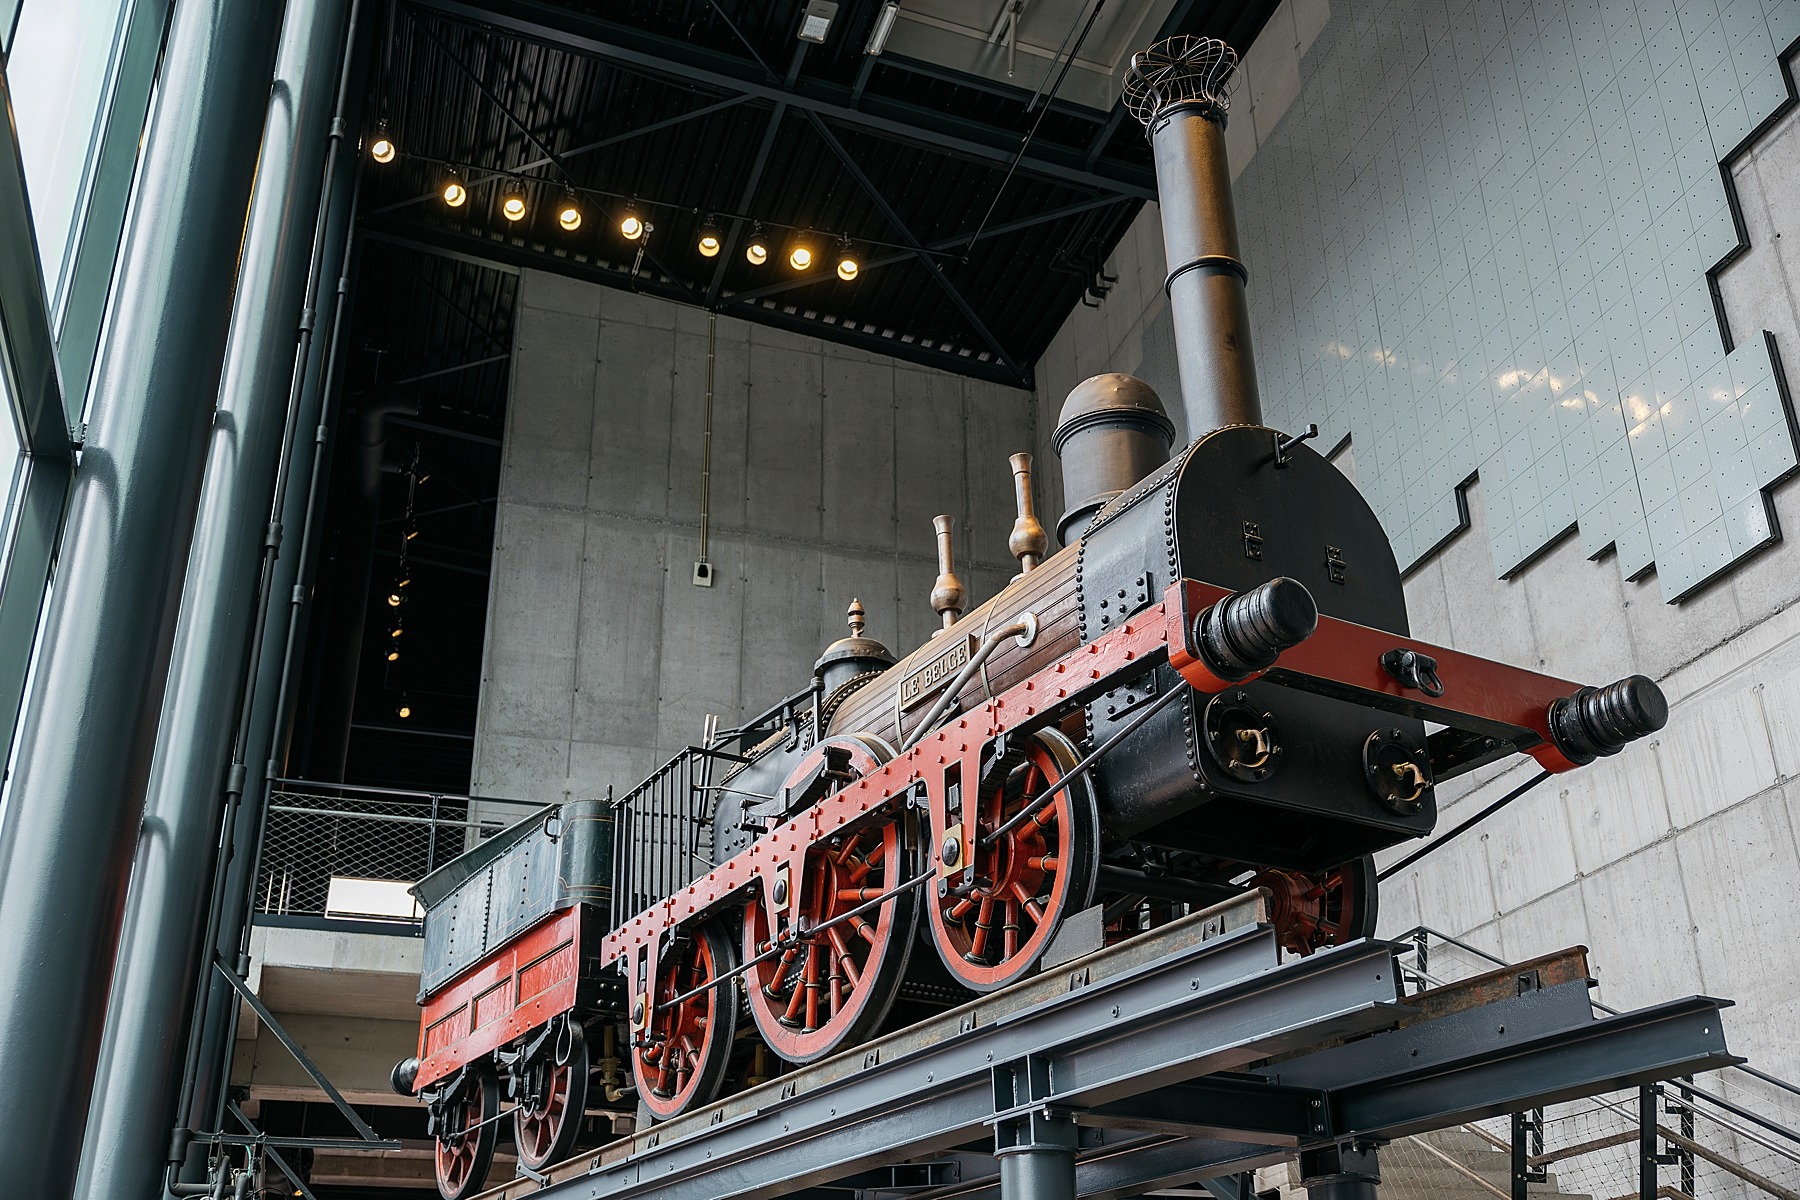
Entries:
{"x":370,"y":1139}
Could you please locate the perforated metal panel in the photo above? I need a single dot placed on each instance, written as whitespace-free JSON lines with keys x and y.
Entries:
{"x":1479,"y":242}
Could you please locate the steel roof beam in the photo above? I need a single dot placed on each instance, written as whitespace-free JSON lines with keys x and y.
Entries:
{"x":668,"y":58}
{"x":504,"y":255}
{"x":906,"y":235}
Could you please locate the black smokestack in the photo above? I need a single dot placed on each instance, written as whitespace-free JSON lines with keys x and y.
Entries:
{"x":1177,"y":88}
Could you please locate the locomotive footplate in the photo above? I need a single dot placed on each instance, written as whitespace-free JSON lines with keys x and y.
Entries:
{"x":1192,"y":1052}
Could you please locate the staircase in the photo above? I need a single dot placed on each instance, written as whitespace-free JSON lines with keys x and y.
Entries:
{"x":1728,"y":1135}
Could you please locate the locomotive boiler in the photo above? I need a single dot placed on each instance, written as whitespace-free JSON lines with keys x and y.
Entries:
{"x":1209,"y":687}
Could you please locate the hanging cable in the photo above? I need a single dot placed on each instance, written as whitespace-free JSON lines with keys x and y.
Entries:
{"x":1483,"y":815}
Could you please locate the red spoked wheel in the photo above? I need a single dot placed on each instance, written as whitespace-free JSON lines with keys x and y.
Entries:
{"x":991,"y":931}
{"x":551,"y":1098}
{"x":683,"y":1044}
{"x":465,"y":1125}
{"x":1329,"y":908}
{"x":838,"y":969}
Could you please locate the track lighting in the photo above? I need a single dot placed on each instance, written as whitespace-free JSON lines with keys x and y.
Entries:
{"x":758,"y":249}
{"x":382,"y":148}
{"x":569,"y":216}
{"x":454,"y":193}
{"x":800,"y":255}
{"x":631,"y":225}
{"x":710,"y":243}
{"x":513,"y":207}
{"x":847,"y":266}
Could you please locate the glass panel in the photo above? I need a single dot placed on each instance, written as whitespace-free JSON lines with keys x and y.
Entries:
{"x":60,"y":68}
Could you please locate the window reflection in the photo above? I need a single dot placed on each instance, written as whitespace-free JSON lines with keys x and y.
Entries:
{"x":60,"y":67}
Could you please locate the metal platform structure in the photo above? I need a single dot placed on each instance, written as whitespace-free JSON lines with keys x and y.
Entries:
{"x":1185,"y":1057}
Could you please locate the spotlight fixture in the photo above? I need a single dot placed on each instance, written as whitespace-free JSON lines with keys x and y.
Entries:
{"x":569,"y":214}
{"x":513,"y":207}
{"x":758,"y":249}
{"x":381,"y":148}
{"x":454,"y":193}
{"x":395,"y":599}
{"x":710,"y":244}
{"x":393,"y":654}
{"x":800,"y":255}
{"x":884,"y":25}
{"x":815,"y":22}
{"x":405,"y":709}
{"x":847,"y":266}
{"x":631,"y":225}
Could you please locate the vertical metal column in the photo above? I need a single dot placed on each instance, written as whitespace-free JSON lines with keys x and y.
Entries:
{"x":1178,"y":89}
{"x":1034,"y":1141}
{"x":73,"y":812}
{"x":161,"y":953}
{"x":1347,"y":1171}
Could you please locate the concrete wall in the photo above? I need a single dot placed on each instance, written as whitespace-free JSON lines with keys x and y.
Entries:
{"x":828,"y":464}
{"x":1674,"y":861}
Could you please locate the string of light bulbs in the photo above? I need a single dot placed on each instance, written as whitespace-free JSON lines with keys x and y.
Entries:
{"x":398,"y":594}
{"x":802,"y":251}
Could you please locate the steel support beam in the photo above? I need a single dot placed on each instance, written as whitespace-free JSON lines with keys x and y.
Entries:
{"x":167,"y":932}
{"x":666,"y":58}
{"x":90,"y":719}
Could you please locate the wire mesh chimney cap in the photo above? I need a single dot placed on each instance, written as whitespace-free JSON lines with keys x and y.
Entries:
{"x":1181,"y":70}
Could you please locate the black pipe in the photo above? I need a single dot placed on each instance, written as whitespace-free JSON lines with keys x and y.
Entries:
{"x":1164,"y":887}
{"x":90,"y":720}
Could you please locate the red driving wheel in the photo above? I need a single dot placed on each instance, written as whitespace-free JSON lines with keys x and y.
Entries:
{"x":839,"y":954}
{"x":991,"y":930}
{"x":1327,"y":908}
{"x":682,"y":1045}
{"x":465,"y":1123}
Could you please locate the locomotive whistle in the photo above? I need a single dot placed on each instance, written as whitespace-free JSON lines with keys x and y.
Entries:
{"x":947,"y":594}
{"x":1028,"y":541}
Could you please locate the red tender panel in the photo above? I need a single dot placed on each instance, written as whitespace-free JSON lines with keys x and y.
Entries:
{"x":519,"y":987}
{"x":1348,"y":653}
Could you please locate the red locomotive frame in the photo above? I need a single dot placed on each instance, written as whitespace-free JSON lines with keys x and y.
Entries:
{"x":1340,"y":657}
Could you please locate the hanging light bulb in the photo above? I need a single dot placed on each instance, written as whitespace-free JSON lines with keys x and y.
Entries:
{"x":847,"y":267}
{"x":513,"y":207}
{"x":800,"y":255}
{"x":631,"y":225}
{"x":454,"y":193}
{"x":757,"y":251}
{"x":381,"y":147}
{"x":405,"y":709}
{"x":710,"y":243}
{"x":411,"y":534}
{"x":569,"y":215}
{"x":397,"y":629}
{"x":395,"y":599}
{"x":393,"y":654}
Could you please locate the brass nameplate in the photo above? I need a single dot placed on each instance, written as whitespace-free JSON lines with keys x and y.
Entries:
{"x":931,"y":678}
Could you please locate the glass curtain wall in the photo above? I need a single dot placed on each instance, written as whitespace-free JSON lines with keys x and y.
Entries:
{"x":77,"y":84}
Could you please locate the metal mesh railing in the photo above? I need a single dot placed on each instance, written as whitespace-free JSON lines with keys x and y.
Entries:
{"x":1727,"y":1134}
{"x":330,"y":854}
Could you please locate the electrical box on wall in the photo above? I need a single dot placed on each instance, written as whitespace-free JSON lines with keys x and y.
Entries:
{"x":703,"y":574}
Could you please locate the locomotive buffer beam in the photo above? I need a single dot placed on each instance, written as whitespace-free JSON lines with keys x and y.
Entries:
{"x":1193,"y":1051}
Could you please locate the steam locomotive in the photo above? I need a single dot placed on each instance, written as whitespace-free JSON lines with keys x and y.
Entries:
{"x":1208,"y":688}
